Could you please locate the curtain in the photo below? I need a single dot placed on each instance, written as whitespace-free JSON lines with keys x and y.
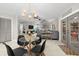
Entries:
{"x":5,"y":29}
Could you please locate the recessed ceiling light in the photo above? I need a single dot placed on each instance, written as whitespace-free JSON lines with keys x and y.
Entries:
{"x":23,"y":13}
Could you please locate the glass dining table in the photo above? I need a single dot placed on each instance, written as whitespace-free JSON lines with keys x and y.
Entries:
{"x":30,"y":37}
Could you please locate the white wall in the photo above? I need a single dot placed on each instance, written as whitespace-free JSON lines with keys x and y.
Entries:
{"x":14,"y":28}
{"x":75,"y":7}
{"x":59,"y":30}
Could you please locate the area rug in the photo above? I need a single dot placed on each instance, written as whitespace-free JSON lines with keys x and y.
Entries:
{"x":68,"y":51}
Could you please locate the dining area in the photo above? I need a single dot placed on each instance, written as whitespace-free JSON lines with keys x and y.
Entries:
{"x":28,"y":41}
{"x":29,"y":34}
{"x":29,"y":44}
{"x":32,"y":44}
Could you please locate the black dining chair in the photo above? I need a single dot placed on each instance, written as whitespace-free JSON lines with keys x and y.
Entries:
{"x":20,"y":36}
{"x":39,"y":49}
{"x":36,"y":42}
{"x":21,"y":41}
{"x":16,"y":52}
{"x":9,"y":50}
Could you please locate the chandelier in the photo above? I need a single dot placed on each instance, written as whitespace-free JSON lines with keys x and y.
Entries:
{"x":30,"y":15}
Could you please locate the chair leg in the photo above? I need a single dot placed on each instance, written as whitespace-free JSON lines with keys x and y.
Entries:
{"x":27,"y":47}
{"x":37,"y":54}
{"x":40,"y":54}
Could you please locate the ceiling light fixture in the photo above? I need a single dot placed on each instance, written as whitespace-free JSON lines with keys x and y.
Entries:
{"x":31,"y":15}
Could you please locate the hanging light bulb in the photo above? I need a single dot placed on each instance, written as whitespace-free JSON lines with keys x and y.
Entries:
{"x":34,"y":13}
{"x":24,"y":12}
{"x":29,"y":16}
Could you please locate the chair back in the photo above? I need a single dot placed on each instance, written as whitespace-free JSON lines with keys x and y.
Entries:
{"x":21,"y":40}
{"x":40,"y":39}
{"x":43,"y":47}
{"x":36,"y":42}
{"x":20,"y":36}
{"x":9,"y":50}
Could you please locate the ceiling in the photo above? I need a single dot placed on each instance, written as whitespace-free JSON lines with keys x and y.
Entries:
{"x":44,"y":10}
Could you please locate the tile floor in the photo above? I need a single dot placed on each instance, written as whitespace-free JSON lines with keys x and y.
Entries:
{"x":52,"y":48}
